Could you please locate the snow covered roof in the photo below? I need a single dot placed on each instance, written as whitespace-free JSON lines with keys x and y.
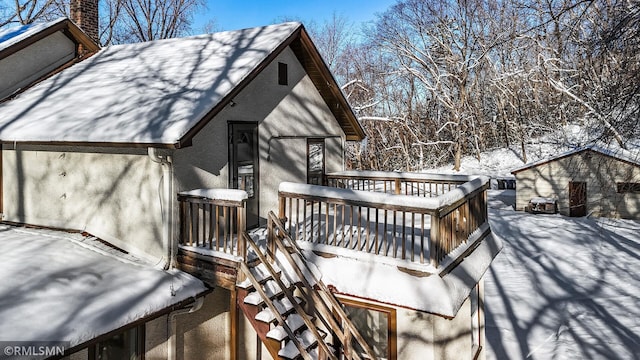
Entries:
{"x":158,"y":92}
{"x":618,"y":154}
{"x":16,"y":37}
{"x":56,"y":286}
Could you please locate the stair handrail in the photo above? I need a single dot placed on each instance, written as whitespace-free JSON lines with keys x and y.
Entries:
{"x":326,"y":294}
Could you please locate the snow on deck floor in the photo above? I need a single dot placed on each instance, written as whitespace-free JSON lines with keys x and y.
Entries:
{"x":562,"y":288}
{"x":56,"y":286}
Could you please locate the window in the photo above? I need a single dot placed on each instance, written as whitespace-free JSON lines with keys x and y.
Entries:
{"x":128,"y":345}
{"x":476,"y":328}
{"x":283,"y":76}
{"x":628,"y":187}
{"x":377,"y":325}
{"x":315,"y":161}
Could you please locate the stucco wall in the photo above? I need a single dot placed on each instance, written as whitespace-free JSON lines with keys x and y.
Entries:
{"x":206,"y":334}
{"x":600,"y":172}
{"x":287,"y":116}
{"x":112,"y":194}
{"x":31,"y":63}
{"x":427,"y":336}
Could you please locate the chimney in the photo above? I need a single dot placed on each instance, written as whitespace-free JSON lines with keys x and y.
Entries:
{"x":85,"y":14}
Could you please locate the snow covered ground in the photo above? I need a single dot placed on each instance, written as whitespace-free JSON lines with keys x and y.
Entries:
{"x":562,"y":288}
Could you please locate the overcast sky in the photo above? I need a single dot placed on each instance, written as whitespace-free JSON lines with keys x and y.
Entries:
{"x":238,"y":14}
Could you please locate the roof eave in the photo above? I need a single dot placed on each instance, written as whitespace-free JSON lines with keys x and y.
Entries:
{"x":159,"y":145}
{"x":329,"y":88}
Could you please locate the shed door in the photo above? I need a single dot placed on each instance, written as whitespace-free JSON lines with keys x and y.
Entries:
{"x":577,"y":198}
{"x":243,"y":160}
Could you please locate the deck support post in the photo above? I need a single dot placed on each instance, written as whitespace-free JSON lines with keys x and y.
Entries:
{"x":233,"y":325}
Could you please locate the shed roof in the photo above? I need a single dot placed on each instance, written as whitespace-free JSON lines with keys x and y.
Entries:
{"x":56,"y":286}
{"x":617,"y":154}
{"x":160,"y":92}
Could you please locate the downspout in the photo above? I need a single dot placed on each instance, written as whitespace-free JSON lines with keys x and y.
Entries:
{"x":173,"y":326}
{"x":165,"y":203}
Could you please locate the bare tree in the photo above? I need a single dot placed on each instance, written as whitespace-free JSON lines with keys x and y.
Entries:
{"x":26,"y":12}
{"x":141,"y":20}
{"x":122,"y":21}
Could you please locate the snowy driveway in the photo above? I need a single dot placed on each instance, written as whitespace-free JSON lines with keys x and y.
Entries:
{"x":562,"y":288}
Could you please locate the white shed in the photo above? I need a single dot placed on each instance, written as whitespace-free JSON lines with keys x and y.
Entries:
{"x":587,"y":180}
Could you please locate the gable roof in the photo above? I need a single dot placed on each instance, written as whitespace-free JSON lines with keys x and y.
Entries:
{"x":14,"y":39}
{"x":160,"y":93}
{"x":615,"y":154}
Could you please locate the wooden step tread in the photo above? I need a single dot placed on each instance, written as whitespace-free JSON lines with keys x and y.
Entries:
{"x":253,"y":299}
{"x":272,"y":289}
{"x":261,"y":273}
{"x":266,"y":316}
{"x":306,"y":339}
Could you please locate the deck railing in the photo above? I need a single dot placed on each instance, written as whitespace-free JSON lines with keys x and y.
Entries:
{"x":418,"y":228}
{"x":399,"y":183}
{"x":213,"y":219}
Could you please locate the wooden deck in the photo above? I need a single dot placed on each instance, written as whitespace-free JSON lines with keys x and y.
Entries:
{"x":419,"y":220}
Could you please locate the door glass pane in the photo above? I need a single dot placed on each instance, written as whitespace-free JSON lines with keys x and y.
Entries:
{"x":374,"y":328}
{"x":245,"y":179}
{"x":316,"y":157}
{"x":315,"y":161}
{"x":245,"y":146}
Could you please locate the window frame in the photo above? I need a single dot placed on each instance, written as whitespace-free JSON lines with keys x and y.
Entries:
{"x":283,"y":73}
{"x":92,"y":350}
{"x":392,"y":322}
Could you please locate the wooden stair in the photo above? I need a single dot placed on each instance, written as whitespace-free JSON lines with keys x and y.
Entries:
{"x":292,"y":311}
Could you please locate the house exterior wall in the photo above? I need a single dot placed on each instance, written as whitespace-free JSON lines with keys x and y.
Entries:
{"x":425,"y":336}
{"x":112,"y":194}
{"x":428,"y":336}
{"x":600,"y":172}
{"x":34,"y":61}
{"x":287,"y":116}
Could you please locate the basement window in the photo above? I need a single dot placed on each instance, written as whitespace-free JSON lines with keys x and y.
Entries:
{"x":377,"y":325}
{"x":125,"y":345}
{"x":628,"y":188}
{"x":283,"y":75}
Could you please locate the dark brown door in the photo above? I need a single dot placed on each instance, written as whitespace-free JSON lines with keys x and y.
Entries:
{"x":244,"y":172}
{"x":577,"y":198}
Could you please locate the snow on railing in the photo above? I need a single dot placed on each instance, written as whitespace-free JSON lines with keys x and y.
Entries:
{"x":213,"y":219}
{"x":418,"y":228}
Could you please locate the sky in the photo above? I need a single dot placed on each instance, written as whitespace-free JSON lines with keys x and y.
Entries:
{"x":234,"y":14}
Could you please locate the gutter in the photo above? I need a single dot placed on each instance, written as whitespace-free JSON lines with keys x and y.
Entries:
{"x":166,"y":194}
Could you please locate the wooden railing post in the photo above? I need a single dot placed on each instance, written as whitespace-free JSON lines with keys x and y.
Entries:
{"x":434,"y":240}
{"x":242,"y":228}
{"x":398,"y":186}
